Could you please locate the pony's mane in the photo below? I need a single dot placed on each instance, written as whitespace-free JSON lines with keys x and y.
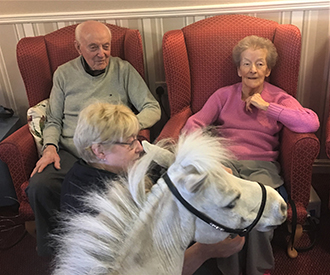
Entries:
{"x":97,"y":244}
{"x":90,"y":244}
{"x":203,"y":149}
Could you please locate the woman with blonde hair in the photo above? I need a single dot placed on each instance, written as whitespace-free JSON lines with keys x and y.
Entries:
{"x":106,"y":140}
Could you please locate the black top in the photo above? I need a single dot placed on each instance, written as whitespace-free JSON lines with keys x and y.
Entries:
{"x":89,"y":70}
{"x":80,"y":180}
{"x":83,"y":178}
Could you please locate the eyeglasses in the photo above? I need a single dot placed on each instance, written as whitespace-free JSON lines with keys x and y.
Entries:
{"x":131,"y":145}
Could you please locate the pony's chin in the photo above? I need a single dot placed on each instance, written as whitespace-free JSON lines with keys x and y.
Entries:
{"x":267,"y":228}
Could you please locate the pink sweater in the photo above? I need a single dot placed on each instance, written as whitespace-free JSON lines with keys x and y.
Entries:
{"x":253,"y":136}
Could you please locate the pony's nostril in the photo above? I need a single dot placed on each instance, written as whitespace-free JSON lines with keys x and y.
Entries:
{"x":283,"y":208}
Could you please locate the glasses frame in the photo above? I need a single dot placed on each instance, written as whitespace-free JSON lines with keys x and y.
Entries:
{"x":131,"y":145}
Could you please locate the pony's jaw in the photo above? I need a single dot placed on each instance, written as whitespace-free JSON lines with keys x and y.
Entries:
{"x":208,"y":235}
{"x":275,"y":210}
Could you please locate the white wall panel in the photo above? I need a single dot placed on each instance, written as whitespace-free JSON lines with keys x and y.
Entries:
{"x":28,"y":30}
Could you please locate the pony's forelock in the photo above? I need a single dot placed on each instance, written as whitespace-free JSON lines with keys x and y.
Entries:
{"x":206,"y":155}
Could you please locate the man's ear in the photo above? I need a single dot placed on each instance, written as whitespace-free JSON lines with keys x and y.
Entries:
{"x":77,"y":46}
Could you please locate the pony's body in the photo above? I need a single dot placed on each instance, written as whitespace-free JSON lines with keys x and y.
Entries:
{"x":139,"y":232}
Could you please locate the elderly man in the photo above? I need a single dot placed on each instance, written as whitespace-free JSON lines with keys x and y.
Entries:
{"x":94,"y":76}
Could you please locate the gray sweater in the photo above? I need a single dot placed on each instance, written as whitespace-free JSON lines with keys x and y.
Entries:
{"x":73,"y":89}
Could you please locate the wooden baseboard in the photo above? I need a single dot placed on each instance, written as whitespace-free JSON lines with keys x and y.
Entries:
{"x":321,"y":166}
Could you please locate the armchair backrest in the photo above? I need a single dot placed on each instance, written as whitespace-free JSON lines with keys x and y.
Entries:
{"x":38,"y":57}
{"x":198,"y":58}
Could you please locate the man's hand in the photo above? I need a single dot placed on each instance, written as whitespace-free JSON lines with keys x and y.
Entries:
{"x":257,"y":101}
{"x":49,"y":156}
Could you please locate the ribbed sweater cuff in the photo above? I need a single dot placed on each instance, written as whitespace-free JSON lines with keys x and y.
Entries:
{"x":274,"y":110}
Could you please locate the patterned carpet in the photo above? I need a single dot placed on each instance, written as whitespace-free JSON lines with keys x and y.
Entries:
{"x":22,"y":259}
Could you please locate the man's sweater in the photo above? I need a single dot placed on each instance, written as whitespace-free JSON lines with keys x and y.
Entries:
{"x":73,"y":89}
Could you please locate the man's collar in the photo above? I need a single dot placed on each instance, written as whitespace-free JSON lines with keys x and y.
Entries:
{"x":89,"y":70}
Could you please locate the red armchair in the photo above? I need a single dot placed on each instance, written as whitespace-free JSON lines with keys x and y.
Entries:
{"x":327,"y":137}
{"x":198,"y":61}
{"x":38,"y":58}
{"x":327,"y":141}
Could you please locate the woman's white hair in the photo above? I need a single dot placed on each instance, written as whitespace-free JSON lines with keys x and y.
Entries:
{"x":103,"y":123}
{"x":255,"y":42}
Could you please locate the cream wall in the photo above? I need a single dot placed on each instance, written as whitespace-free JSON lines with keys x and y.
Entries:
{"x":46,"y":6}
{"x":153,"y":18}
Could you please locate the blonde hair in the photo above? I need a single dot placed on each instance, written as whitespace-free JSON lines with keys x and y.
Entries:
{"x":103,"y":123}
{"x":255,"y":42}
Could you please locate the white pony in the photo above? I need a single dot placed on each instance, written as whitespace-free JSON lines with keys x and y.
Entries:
{"x":147,"y":232}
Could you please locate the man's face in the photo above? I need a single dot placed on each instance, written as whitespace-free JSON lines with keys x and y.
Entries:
{"x":95,"y":47}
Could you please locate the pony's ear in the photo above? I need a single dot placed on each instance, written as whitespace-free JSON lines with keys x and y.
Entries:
{"x":162,"y":156}
{"x":193,"y":182}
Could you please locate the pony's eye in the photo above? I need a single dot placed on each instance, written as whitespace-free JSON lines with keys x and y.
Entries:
{"x":231,"y":205}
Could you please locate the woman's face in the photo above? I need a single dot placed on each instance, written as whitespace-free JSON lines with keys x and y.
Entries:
{"x":121,"y":155}
{"x":253,"y":69}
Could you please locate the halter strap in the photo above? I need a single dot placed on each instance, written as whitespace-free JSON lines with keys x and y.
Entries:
{"x":210,"y":221}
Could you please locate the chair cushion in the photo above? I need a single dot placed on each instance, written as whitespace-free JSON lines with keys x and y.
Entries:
{"x":36,"y":117}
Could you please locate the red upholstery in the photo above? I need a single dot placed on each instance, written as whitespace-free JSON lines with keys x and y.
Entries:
{"x":38,"y":58}
{"x":327,"y":137}
{"x":327,"y":141}
{"x":198,"y":61}
{"x":327,"y":134}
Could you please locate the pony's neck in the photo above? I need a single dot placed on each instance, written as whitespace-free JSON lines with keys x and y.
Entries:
{"x":175,"y":227}
{"x":163,"y":232}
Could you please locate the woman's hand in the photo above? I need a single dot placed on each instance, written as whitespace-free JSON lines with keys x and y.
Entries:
{"x":257,"y":101}
{"x":49,"y":156}
{"x":223,"y":249}
{"x":198,"y":253}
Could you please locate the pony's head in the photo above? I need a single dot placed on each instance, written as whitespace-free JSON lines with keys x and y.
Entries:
{"x":197,"y":169}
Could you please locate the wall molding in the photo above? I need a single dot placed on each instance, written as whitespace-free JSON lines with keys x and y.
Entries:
{"x":253,"y":7}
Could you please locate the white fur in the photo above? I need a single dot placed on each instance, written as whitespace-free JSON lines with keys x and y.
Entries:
{"x":139,"y":232}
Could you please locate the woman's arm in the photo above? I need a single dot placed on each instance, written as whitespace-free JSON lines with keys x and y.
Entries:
{"x":288,"y":111}
{"x":207,"y":115}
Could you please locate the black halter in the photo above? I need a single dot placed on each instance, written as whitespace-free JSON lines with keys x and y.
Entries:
{"x":211,"y":222}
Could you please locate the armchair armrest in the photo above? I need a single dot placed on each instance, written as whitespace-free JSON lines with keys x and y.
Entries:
{"x":327,"y":138}
{"x":144,"y":134}
{"x":174,"y":125}
{"x":19,"y":152}
{"x":298,"y":152}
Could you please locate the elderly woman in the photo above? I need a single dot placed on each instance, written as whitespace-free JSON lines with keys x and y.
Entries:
{"x":106,"y":140}
{"x":251,"y":114}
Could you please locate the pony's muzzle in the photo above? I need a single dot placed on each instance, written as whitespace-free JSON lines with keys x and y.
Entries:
{"x":282,"y":213}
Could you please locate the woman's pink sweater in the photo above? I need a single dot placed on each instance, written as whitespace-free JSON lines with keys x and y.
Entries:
{"x":253,"y":136}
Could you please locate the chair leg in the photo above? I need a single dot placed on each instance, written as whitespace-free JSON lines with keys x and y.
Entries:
{"x":292,"y":252}
{"x":30,"y":227}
